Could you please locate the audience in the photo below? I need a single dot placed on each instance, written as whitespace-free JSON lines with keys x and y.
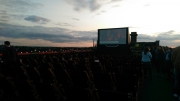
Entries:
{"x":160,"y":57}
{"x":157,"y":56}
{"x":146,"y":59}
{"x":153,"y":52}
{"x":168,"y":63}
{"x":176,"y":63}
{"x":9,"y":58}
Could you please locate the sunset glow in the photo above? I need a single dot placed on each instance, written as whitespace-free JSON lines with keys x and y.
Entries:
{"x":66,"y":23}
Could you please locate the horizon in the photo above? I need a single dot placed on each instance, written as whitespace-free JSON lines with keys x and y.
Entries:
{"x":74,"y":23}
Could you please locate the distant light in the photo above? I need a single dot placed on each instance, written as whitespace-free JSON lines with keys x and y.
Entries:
{"x":31,"y":51}
{"x":39,"y":51}
{"x":21,"y":52}
{"x":26,"y":52}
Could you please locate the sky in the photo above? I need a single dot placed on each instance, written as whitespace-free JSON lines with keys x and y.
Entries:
{"x":74,"y":23}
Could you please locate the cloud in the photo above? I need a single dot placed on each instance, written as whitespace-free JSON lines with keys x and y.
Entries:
{"x":20,"y":16}
{"x":3,"y":12}
{"x":36,"y":35}
{"x":133,"y":27}
{"x":147,"y":5}
{"x":75,"y":19}
{"x":37,"y":19}
{"x":20,"y":5}
{"x":116,"y":0}
{"x":4,"y":20}
{"x":12,"y":17}
{"x":145,"y":38}
{"x":50,"y":34}
{"x":116,"y":6}
{"x":41,"y":42}
{"x":170,"y":35}
{"x":103,"y":11}
{"x":99,"y":13}
{"x":4,"y":16}
{"x":64,"y":24}
{"x":92,"y":5}
{"x":169,"y":38}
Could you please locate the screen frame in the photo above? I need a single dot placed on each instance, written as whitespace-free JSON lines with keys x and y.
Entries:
{"x":127,"y":35}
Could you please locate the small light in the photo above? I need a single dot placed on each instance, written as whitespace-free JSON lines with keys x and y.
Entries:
{"x":21,"y":52}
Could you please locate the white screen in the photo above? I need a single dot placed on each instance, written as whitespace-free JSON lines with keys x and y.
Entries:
{"x":112,"y":36}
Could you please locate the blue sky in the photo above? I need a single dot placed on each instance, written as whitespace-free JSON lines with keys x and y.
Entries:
{"x":74,"y":23}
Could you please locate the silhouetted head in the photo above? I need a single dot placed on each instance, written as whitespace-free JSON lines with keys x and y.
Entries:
{"x":146,"y":49}
{"x":6,"y":43}
{"x":170,"y":49}
{"x":160,"y":49}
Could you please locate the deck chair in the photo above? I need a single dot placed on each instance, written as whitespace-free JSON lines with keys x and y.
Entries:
{"x":126,"y":83}
{"x":107,"y":66}
{"x":62,"y":76}
{"x":96,"y":67}
{"x":33,"y":74}
{"x":69,"y":66}
{"x":47,"y":92}
{"x":77,"y":93}
{"x":104,"y":95}
{"x":46,"y":75}
{"x":8,"y":88}
{"x":129,"y":70}
{"x":103,"y":81}
{"x":82,"y":67}
{"x":80,"y":79}
{"x":27,"y":92}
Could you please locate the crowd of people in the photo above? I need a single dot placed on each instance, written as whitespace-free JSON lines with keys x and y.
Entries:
{"x":159,"y":58}
{"x":33,"y":49}
{"x":164,"y":60}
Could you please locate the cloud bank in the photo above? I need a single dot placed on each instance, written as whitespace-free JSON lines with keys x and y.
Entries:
{"x":62,"y":36}
{"x":20,"y":5}
{"x":91,"y":5}
{"x":37,"y":19}
{"x":50,"y":34}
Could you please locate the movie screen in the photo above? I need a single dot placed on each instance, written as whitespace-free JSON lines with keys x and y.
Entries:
{"x":112,"y":36}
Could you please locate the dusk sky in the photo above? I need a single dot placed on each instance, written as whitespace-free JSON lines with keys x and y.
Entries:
{"x":74,"y":23}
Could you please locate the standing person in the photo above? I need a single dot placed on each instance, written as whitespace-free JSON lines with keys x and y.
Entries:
{"x":168,"y":62}
{"x":160,"y":58}
{"x":176,"y":63}
{"x":9,"y":57}
{"x":146,"y":60}
{"x":153,"y":52}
